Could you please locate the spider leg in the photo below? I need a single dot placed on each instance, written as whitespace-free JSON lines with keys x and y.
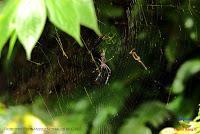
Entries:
{"x":110,"y":59}
{"x":99,"y":75}
{"x":108,"y":70}
{"x":99,"y":60}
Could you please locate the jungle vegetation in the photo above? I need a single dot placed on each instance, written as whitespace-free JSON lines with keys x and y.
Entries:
{"x":99,"y":66}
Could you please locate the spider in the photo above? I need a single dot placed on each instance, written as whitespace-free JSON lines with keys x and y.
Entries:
{"x":103,"y":66}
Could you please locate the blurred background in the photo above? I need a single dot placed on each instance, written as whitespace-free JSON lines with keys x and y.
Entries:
{"x":139,"y":77}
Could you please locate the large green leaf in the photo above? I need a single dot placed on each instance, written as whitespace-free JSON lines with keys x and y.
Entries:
{"x":30,"y":17}
{"x":86,"y":13}
{"x":6,"y":21}
{"x":30,"y":21}
{"x":63,"y":14}
{"x":188,"y":69}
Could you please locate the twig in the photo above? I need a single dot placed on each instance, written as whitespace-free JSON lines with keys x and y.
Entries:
{"x":60,"y":44}
{"x":137,"y":58}
{"x":36,"y":63}
{"x":97,"y":67}
{"x":60,"y":66}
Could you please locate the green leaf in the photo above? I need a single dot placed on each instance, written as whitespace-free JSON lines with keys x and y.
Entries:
{"x":11,"y":114}
{"x":103,"y":115}
{"x":188,"y":69}
{"x":6,"y":21}
{"x":133,"y":125}
{"x":75,"y":122}
{"x":175,"y":104}
{"x":153,"y":112}
{"x":63,"y":14}
{"x":86,"y":13}
{"x":146,"y":113}
{"x":30,"y":21}
{"x":102,"y":118}
{"x":11,"y":45}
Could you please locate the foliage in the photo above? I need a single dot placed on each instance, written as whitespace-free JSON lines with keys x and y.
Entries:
{"x":191,"y":127}
{"x":27,"y":18}
{"x":144,"y":114}
{"x":165,"y":37}
{"x":82,"y":113}
{"x":186,"y":70}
